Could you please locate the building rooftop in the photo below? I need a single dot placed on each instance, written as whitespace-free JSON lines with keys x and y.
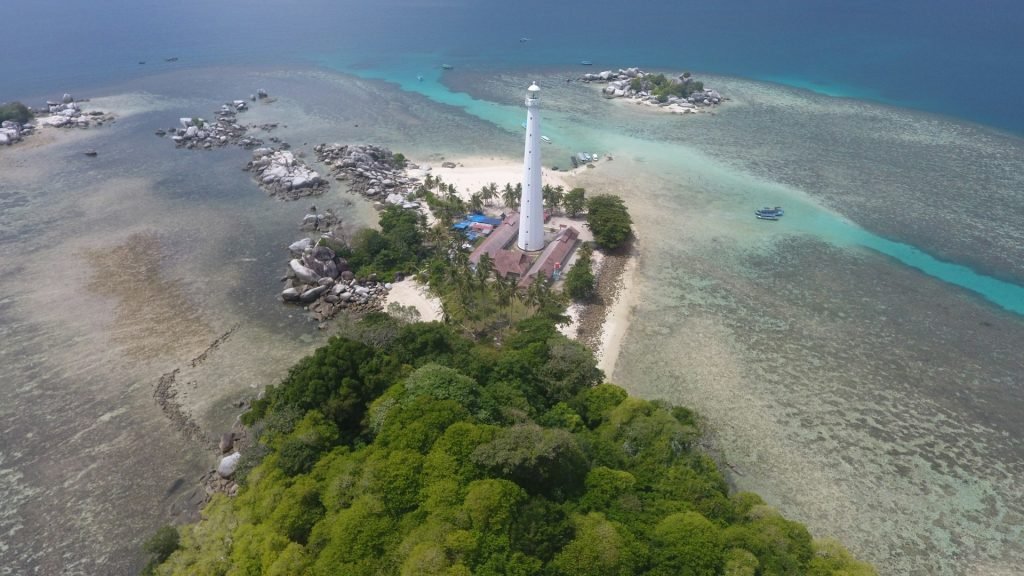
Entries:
{"x":556,"y":252}
{"x":502,"y":236}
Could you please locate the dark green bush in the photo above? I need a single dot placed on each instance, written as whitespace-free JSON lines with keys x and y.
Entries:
{"x":15,"y":111}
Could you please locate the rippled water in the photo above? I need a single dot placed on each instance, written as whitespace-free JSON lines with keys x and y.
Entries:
{"x":871,"y":400}
{"x":117,"y":269}
{"x":855,"y":361}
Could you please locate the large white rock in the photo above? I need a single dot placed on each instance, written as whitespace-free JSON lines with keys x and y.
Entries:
{"x":57,"y":121}
{"x":276,"y":172}
{"x":303,"y":273}
{"x":313,"y":293}
{"x":191,"y":131}
{"x":300,"y":246}
{"x":303,"y":180}
{"x":228,"y":464}
{"x":331,"y":269}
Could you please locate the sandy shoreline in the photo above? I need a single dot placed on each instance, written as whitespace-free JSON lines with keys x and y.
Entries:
{"x":617,"y":317}
{"x":474,"y":172}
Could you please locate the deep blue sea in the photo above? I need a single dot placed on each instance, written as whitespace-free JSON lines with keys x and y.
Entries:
{"x":945,"y":56}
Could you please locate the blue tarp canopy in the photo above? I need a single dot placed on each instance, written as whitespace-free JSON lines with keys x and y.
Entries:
{"x":461,"y":225}
{"x":483,"y":219}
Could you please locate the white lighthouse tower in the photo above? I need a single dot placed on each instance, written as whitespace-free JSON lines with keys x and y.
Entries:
{"x":531,"y":211}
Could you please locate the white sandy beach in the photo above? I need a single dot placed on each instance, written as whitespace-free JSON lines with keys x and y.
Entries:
{"x":616,"y":321}
{"x":474,"y":172}
{"x":410,"y":293}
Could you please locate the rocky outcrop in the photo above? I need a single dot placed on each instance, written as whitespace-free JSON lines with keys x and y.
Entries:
{"x":623,"y":84}
{"x":371,"y":170}
{"x":283,"y":175}
{"x":214,"y":483}
{"x":12,"y":132}
{"x":324,"y":284}
{"x":196,"y":132}
{"x":69,"y":113}
{"x":228,"y":464}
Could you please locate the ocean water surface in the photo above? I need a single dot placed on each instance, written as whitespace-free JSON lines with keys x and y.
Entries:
{"x":857,"y":362}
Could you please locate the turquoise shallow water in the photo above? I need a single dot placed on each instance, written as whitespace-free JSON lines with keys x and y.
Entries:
{"x":809,"y":218}
{"x":863,"y":364}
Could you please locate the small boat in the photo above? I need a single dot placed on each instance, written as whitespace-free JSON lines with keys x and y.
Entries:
{"x":586,"y":63}
{"x":524,"y":40}
{"x":769,"y":211}
{"x":174,"y":59}
{"x":524,"y":124}
{"x":447,"y":67}
{"x":768,"y":217}
{"x":420,"y":77}
{"x":546,"y":139}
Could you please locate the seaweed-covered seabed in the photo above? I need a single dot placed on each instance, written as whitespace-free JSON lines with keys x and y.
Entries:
{"x":876,"y":403}
{"x":118,"y":269}
{"x":862,"y":397}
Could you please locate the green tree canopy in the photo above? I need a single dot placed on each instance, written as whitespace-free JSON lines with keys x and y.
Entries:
{"x":609,"y":220}
{"x":15,"y":111}
{"x":428,"y":453}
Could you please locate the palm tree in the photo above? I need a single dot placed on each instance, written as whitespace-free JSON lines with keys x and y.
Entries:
{"x":534,"y":294}
{"x":428,"y":181}
{"x":484,"y":268}
{"x":492,"y":192}
{"x":505,"y":289}
{"x":511,"y":197}
{"x":507,"y":194}
{"x":557,"y":197}
{"x":552,"y":197}
{"x":476,"y":202}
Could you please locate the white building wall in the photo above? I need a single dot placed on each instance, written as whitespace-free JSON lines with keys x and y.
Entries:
{"x":531,"y":208}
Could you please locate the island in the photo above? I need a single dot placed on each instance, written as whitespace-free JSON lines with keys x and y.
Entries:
{"x":682,"y":94}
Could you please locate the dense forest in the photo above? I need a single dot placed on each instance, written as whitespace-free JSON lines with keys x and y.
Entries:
{"x":411,"y":449}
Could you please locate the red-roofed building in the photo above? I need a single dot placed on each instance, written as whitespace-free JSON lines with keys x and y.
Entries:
{"x":555,"y":254}
{"x":503,"y":235}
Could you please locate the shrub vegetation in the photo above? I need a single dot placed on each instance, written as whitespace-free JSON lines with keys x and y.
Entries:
{"x":609,"y":220}
{"x":15,"y":111}
{"x":419,"y":451}
{"x":662,"y":87}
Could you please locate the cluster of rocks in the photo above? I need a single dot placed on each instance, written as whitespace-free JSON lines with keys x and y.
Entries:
{"x":199,"y":133}
{"x":621,"y":85}
{"x":371,"y":170}
{"x":323,"y":282}
{"x":283,"y":175}
{"x":317,"y":222}
{"x":11,"y":132}
{"x":68,"y":113}
{"x":220,"y":479}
